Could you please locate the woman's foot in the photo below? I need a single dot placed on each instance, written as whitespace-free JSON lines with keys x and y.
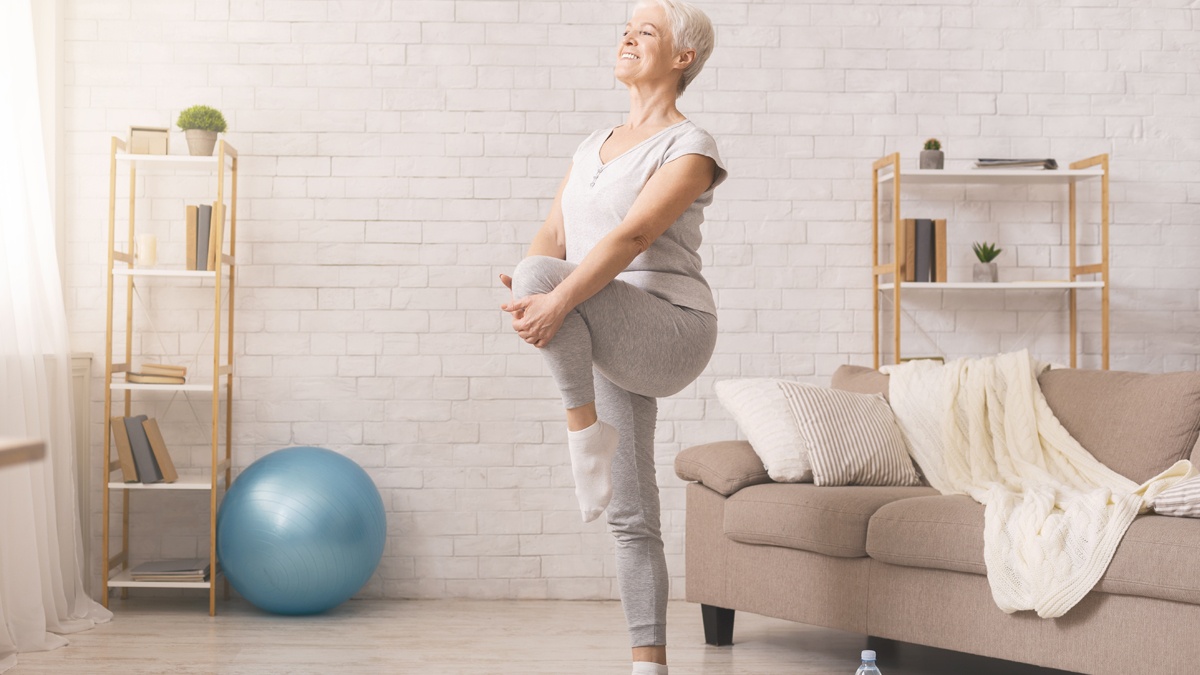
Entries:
{"x":592,"y":451}
{"x":648,"y":668}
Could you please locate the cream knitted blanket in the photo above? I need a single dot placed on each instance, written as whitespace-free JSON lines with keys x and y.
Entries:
{"x":1054,"y":513}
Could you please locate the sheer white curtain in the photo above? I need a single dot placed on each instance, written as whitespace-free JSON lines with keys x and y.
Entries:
{"x":41,"y":582}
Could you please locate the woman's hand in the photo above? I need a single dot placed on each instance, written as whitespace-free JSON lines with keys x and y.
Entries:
{"x":537,"y":318}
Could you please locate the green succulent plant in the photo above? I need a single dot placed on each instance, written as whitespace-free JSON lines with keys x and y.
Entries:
{"x":201,"y":117}
{"x":986,"y":252}
{"x":933,"y":144}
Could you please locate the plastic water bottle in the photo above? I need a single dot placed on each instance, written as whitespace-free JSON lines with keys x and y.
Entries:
{"x":868,"y":664}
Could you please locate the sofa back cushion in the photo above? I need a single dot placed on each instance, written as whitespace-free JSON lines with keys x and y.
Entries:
{"x":1137,"y":424}
{"x":860,"y":380}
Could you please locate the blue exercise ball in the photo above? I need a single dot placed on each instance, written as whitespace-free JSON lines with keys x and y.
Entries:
{"x":300,"y":531}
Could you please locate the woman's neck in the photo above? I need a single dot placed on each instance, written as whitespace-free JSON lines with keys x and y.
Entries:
{"x":652,"y":106}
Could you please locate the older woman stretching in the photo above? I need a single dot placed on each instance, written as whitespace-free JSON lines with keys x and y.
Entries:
{"x":611,"y":292}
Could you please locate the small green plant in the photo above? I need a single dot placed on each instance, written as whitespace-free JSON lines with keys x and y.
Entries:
{"x":986,"y":252}
{"x":933,"y":144}
{"x":201,"y":117}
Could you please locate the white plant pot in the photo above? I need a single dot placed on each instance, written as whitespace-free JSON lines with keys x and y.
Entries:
{"x":985,"y":272}
{"x":200,"y":142}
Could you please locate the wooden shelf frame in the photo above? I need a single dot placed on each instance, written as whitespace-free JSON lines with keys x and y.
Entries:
{"x":886,"y":170}
{"x":121,"y":266}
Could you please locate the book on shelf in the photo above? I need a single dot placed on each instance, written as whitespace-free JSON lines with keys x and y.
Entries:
{"x":203,"y":224}
{"x":994,"y":163}
{"x":163,"y":369}
{"x":941,"y":263}
{"x":923,"y":260}
{"x":215,"y":231}
{"x":906,"y":251}
{"x":143,"y":455}
{"x":191,"y":217}
{"x":153,"y":378}
{"x":124,"y":451}
{"x":159,"y":448}
{"x":923,"y":251}
{"x":183,"y":570}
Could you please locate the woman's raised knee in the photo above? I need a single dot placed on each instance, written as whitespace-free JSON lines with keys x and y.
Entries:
{"x":539,"y":274}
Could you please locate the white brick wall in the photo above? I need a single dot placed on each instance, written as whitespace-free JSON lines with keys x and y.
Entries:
{"x":397,"y":156}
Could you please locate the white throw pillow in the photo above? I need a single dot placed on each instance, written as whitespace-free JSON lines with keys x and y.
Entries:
{"x":831,"y":437}
{"x":764,"y":416}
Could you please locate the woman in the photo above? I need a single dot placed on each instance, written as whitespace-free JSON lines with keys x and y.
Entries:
{"x":611,"y":293}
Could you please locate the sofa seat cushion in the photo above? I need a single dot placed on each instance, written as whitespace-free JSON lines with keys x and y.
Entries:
{"x":1156,"y":558}
{"x":725,"y":467}
{"x":828,"y":520}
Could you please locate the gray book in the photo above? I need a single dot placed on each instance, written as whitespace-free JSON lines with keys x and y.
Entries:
{"x":143,"y":455}
{"x":924,"y":261}
{"x":203,"y":225}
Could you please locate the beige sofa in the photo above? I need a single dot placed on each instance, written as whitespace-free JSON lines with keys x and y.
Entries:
{"x":905,"y":563}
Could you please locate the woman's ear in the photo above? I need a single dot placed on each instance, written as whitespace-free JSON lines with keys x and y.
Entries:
{"x":684,"y":58}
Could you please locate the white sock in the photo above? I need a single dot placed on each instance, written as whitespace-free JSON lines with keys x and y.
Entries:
{"x":648,"y":668}
{"x":592,"y":451}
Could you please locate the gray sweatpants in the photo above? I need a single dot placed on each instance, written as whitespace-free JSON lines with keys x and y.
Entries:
{"x":623,"y":348}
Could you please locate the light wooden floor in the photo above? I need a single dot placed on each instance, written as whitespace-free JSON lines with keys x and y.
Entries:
{"x":452,"y":637}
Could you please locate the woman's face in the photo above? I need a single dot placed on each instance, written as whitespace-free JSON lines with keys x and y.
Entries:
{"x":645,"y":51}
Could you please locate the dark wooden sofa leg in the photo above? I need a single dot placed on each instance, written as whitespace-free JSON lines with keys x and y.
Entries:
{"x":718,"y":625}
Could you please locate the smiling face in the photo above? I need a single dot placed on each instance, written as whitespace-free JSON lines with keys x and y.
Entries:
{"x":645,"y":52}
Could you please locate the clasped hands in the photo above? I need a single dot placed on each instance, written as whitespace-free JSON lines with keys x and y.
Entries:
{"x":536,"y":318}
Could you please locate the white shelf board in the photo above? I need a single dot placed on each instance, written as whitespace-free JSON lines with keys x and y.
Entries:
{"x":124,"y":579}
{"x":152,"y":272}
{"x":184,"y":482}
{"x":995,"y":176}
{"x":989,"y":286}
{"x":173,"y":161}
{"x":205,"y":387}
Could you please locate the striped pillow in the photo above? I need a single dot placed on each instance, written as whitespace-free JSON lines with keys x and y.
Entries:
{"x":852,"y":439}
{"x":1181,"y":499}
{"x":793,"y":426}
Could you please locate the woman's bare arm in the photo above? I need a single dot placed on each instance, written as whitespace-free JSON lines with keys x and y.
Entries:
{"x":668,"y":193}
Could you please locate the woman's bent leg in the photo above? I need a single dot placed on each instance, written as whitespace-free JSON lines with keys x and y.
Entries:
{"x":569,"y":352}
{"x":633,"y":513}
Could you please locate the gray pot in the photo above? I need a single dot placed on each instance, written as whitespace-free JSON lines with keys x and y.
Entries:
{"x":200,"y":142}
{"x":932,"y":159}
{"x":985,"y":272}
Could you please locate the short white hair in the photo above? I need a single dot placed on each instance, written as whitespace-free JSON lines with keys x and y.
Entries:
{"x":690,"y":29}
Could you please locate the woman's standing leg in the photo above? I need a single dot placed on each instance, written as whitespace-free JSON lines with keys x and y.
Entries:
{"x":634,"y":517}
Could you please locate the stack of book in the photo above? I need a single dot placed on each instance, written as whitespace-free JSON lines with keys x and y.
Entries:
{"x":141,"y":451}
{"x":187,"y":570}
{"x":158,"y":373}
{"x":922,"y":254}
{"x":203,"y":247}
{"x":986,"y":163}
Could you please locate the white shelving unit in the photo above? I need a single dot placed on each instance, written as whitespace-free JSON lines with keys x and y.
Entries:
{"x":886,"y":173}
{"x":223,"y":165}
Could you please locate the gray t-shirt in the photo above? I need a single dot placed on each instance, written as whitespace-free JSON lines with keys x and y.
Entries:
{"x":598,"y":196}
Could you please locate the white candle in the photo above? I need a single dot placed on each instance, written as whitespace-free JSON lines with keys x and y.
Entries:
{"x":146,"y":250}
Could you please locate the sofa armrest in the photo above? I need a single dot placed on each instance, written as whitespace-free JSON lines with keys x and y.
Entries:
{"x":724,"y":467}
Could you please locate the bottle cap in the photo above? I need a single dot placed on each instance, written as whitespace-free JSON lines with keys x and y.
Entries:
{"x":868,"y":655}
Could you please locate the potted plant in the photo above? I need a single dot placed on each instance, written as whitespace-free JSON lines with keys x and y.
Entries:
{"x":985,"y":269}
{"x":931,"y":156}
{"x":200,"y":125}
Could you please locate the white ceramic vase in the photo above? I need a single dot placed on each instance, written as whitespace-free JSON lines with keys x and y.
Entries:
{"x":985,"y":272}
